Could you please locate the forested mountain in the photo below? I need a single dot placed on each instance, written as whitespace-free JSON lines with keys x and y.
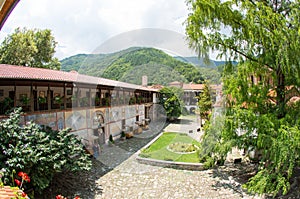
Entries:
{"x":200,"y":62}
{"x":131,"y":64}
{"x":197,"y":61}
{"x":91,"y":64}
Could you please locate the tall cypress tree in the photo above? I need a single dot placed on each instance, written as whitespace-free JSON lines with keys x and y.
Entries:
{"x":205,"y":103}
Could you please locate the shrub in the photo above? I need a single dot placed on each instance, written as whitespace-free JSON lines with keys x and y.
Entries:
{"x":39,"y":151}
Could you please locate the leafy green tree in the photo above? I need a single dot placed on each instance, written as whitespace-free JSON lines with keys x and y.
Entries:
{"x":171,"y":99}
{"x":264,"y":37}
{"x":263,"y":33}
{"x":38,"y":151}
{"x":205,"y":103}
{"x":32,"y":48}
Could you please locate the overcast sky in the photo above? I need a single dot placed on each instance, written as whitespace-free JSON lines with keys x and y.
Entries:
{"x":87,"y":26}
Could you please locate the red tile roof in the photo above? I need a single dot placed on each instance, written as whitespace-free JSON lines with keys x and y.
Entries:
{"x":7,"y":192}
{"x":193,"y":86}
{"x":29,"y":73}
{"x":200,"y":86}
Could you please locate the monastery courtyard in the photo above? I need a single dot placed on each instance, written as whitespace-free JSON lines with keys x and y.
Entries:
{"x":130,"y":179}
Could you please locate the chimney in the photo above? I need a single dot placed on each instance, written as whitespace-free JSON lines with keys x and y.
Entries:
{"x":145,"y":80}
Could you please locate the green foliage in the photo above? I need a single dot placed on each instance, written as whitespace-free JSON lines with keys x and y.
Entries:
{"x":39,"y":151}
{"x":280,"y":158}
{"x":277,"y":139}
{"x":73,"y":62}
{"x":210,"y":71}
{"x":214,"y":147}
{"x":25,"y":100}
{"x":157,"y":74}
{"x":33,"y":48}
{"x":264,"y":38}
{"x":128,"y":63}
{"x":58,"y":100}
{"x":131,"y":64}
{"x":111,"y":139}
{"x":205,"y":102}
{"x":42,"y":100}
{"x":158,"y":150}
{"x":254,"y":39}
{"x":6,"y":105}
{"x":213,"y":75}
{"x":171,"y":99}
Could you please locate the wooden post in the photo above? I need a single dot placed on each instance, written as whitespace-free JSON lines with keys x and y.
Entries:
{"x":31,"y":98}
{"x":49,"y":98}
{"x":65,"y":96}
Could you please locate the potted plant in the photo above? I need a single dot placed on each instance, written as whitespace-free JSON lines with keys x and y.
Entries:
{"x":42,"y":100}
{"x":131,"y":101}
{"x":139,"y":99}
{"x":123,"y":135}
{"x":74,"y":100}
{"x":25,"y":100}
{"x":111,"y":140}
{"x":105,"y":102}
{"x":97,"y":101}
{"x":84,"y":101}
{"x":57,"y":100}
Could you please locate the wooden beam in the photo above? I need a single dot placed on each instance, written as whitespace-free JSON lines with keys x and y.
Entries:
{"x":6,"y":9}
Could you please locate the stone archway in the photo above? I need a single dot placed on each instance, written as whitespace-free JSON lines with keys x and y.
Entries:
{"x":192,"y":110}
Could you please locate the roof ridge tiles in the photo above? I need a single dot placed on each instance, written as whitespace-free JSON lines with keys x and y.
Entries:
{"x":23,"y":72}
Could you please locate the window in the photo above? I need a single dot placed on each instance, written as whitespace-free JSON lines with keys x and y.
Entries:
{"x":69,"y":91}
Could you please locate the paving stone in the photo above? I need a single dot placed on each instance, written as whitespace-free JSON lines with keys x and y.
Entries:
{"x":130,"y":179}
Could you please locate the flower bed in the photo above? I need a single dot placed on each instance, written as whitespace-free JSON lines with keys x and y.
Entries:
{"x":157,"y":153}
{"x":182,"y":148}
{"x":177,"y":147}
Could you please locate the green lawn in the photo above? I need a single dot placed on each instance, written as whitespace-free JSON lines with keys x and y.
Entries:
{"x":158,"y":150}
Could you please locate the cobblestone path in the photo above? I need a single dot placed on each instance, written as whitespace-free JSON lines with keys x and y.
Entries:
{"x":132,"y":180}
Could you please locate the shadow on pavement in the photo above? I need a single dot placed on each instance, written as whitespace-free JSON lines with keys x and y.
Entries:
{"x":183,"y":121}
{"x":83,"y":184}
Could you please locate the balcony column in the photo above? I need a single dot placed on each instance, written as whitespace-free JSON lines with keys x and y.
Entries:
{"x":49,"y":98}
{"x":15,"y":97}
{"x":65,"y":97}
{"x":90,"y":98}
{"x":31,"y":97}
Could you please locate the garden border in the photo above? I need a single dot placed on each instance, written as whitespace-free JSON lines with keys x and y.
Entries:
{"x":167,"y":164}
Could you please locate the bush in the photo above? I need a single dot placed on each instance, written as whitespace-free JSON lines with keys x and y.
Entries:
{"x":277,"y":139}
{"x":171,"y":99}
{"x":213,"y":148}
{"x":39,"y":151}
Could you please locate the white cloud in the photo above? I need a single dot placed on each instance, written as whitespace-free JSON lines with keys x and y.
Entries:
{"x":82,"y":26}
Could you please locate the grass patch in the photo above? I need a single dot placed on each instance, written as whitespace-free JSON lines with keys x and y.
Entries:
{"x":158,"y":150}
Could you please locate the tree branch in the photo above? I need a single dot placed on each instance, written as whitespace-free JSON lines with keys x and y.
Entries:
{"x":244,"y":54}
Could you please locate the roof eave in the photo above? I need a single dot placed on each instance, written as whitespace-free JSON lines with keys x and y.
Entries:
{"x":6,"y":9}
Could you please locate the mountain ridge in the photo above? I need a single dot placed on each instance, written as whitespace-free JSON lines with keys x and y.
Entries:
{"x":131,"y":64}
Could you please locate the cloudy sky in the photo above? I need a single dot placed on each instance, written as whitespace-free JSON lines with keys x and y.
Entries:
{"x":87,"y":26}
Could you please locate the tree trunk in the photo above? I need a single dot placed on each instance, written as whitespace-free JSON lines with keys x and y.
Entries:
{"x":280,"y":90}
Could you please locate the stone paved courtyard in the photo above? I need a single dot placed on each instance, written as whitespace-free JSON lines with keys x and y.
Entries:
{"x":130,"y":179}
{"x":133,"y":180}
